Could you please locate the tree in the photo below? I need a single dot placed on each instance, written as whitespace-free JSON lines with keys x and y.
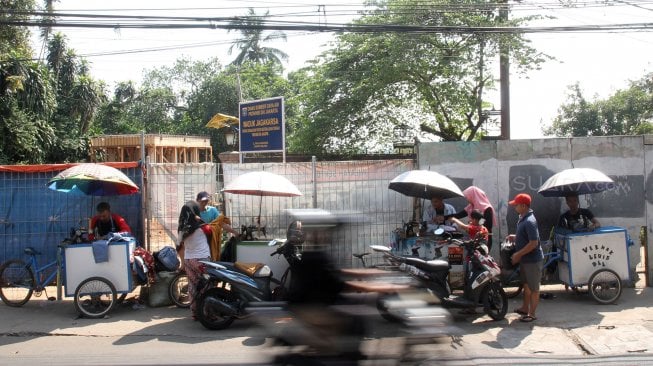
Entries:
{"x":368,"y":84}
{"x":79,"y":97}
{"x":251,"y":44}
{"x":27,"y":98}
{"x":626,"y":112}
{"x":15,"y":39}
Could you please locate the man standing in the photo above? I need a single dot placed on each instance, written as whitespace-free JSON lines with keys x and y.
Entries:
{"x":207,"y":213}
{"x":528,"y":252}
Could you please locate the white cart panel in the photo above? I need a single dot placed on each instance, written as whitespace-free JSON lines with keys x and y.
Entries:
{"x":586,"y":253}
{"x":80,"y":265}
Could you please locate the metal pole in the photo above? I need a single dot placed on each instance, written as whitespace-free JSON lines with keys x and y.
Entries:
{"x":504,"y":75}
{"x":314,"y":172}
{"x":145,"y":220}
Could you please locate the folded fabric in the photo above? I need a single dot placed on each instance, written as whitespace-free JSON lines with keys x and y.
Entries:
{"x":100,"y":251}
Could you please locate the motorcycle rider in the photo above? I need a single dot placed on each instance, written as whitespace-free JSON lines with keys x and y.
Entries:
{"x":528,"y":252}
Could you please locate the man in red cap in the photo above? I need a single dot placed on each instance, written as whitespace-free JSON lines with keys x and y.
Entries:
{"x":528,"y":252}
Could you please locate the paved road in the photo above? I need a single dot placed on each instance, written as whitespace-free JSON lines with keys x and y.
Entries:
{"x":571,"y":328}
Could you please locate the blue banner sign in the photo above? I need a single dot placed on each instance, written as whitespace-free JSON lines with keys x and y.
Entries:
{"x":262,"y":125}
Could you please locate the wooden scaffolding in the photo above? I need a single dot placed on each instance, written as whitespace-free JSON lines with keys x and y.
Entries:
{"x":159,"y":148}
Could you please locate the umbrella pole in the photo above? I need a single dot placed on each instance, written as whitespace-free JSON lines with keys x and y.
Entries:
{"x":258,"y":219}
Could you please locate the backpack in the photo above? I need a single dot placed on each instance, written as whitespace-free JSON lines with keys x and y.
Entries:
{"x":167,"y":256}
{"x":148,"y":261}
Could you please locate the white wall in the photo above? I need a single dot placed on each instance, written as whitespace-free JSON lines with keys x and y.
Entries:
{"x":505,"y":168}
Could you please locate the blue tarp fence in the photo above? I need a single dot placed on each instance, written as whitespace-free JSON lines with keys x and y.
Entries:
{"x":31,"y":215}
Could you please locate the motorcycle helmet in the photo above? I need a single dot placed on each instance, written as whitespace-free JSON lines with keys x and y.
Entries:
{"x":295,"y":234}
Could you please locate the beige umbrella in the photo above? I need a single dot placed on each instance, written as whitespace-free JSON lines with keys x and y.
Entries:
{"x":262,"y":184}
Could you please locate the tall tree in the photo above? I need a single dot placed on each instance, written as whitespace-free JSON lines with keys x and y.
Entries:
{"x":251,"y":45}
{"x":626,"y":112}
{"x":27,"y":98}
{"x":79,"y":97}
{"x":432,"y":83}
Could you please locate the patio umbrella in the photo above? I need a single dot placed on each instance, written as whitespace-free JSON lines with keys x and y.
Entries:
{"x":93,"y":180}
{"x":220,"y":120}
{"x":262,"y":184}
{"x":576,"y":181}
{"x":425,"y":184}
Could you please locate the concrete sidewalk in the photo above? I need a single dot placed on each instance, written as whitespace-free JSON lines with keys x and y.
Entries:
{"x":569,"y":324}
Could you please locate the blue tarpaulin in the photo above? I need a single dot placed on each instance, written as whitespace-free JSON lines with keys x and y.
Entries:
{"x":31,"y":215}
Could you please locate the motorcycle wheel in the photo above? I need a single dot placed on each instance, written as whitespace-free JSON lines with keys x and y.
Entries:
{"x":211,"y":319}
{"x":382,"y":307}
{"x":495,"y":301}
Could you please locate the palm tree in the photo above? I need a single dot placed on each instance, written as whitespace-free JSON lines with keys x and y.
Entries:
{"x":251,"y":44}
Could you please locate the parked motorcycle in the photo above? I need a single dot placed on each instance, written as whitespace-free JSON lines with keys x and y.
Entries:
{"x":482,"y":286}
{"x":226,"y":289}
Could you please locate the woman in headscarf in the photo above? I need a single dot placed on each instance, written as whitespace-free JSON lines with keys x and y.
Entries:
{"x":478,"y":201}
{"x":193,"y":240}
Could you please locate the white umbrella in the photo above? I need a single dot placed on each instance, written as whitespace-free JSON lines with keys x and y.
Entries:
{"x":262,"y":184}
{"x":576,"y":181}
{"x":425,"y":184}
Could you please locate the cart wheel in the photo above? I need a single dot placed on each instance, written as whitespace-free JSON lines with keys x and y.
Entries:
{"x":178,"y":290}
{"x":16,"y":283}
{"x":605,"y":286}
{"x":495,"y":302}
{"x":95,"y":297}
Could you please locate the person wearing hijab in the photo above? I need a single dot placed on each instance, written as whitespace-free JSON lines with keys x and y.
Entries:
{"x":193,"y":240}
{"x":478,"y":200}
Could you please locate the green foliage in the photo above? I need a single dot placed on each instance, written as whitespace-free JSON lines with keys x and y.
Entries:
{"x":14,"y":39}
{"x":251,"y":44}
{"x":626,"y":112}
{"x":369,"y":84}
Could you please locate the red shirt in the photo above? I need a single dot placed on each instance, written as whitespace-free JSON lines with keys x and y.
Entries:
{"x":474,"y":229}
{"x":116,"y":225}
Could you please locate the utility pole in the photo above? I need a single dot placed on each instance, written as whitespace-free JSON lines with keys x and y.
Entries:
{"x":504,"y":76}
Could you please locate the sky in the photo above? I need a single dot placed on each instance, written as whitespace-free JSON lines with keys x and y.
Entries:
{"x":600,"y":62}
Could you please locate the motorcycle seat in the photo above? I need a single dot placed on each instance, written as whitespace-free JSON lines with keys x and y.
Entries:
{"x":428,"y":266}
{"x":252,"y":269}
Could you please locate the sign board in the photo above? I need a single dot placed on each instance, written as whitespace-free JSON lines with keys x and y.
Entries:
{"x":262,"y":126}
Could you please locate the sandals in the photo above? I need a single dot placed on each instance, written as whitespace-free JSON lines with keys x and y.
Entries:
{"x":527,"y":319}
{"x":520,"y":311}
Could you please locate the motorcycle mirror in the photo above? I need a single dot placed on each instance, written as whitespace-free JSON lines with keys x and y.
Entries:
{"x":380,"y":248}
{"x":438,"y":231}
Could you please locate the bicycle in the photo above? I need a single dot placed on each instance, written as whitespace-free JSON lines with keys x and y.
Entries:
{"x":178,"y":290}
{"x":18,"y":280}
{"x":511,"y":281}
